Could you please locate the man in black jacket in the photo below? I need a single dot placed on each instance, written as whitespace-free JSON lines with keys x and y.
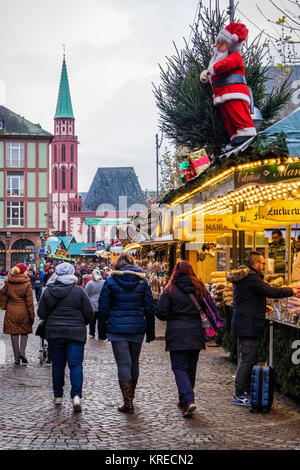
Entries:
{"x":248,"y":321}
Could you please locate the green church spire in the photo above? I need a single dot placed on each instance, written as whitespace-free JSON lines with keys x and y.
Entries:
{"x":64,"y":104}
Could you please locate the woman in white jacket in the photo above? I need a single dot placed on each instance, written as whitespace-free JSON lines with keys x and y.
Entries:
{"x":93,"y":289}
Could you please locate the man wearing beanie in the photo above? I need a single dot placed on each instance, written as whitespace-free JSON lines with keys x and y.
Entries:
{"x":67,"y":311}
{"x":226,"y":74}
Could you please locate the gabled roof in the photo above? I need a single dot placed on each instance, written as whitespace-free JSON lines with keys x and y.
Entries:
{"x":64,"y":105}
{"x":53,"y":243}
{"x":109,"y":184}
{"x":14,"y":124}
{"x":291,"y":126}
{"x":67,"y":240}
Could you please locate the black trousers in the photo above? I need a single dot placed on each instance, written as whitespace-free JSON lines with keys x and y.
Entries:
{"x":248,"y":357}
{"x":93,"y":324}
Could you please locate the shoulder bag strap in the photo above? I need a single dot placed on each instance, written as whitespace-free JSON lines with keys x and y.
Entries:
{"x":194,"y":299}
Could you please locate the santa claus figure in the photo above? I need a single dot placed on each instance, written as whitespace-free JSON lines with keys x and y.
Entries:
{"x":226,"y":72}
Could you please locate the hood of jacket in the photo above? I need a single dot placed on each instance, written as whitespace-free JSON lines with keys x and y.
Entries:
{"x":59,"y":290}
{"x":185,"y":284}
{"x":18,"y":278}
{"x":236,"y":275}
{"x":128,"y":276}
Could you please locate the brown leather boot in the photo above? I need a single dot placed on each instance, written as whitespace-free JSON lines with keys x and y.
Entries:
{"x":126,"y":389}
{"x":133,"y":384}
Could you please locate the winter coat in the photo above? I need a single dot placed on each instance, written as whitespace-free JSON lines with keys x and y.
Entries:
{"x":232,"y":64}
{"x":126,"y":303}
{"x":184,"y":327}
{"x":249,"y":304}
{"x":85,"y":279}
{"x":17,"y":299}
{"x":67,"y":309}
{"x":93,"y":289}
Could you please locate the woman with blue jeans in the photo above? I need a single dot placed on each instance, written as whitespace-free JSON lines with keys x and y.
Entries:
{"x":126,"y":313}
{"x":67,"y":310}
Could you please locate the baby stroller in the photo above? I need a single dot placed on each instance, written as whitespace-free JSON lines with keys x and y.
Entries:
{"x":43,"y":352}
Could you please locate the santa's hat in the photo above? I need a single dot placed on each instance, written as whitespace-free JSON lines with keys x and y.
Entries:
{"x":234,"y":33}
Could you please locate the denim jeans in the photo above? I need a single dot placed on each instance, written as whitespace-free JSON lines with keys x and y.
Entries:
{"x":127,"y":356}
{"x":62,"y":352}
{"x":184,"y":366}
{"x":248,"y":356}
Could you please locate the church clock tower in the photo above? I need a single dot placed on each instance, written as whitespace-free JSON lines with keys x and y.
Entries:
{"x":64,"y":159}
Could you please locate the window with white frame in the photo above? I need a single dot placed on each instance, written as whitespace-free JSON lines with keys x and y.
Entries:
{"x":15,"y":214}
{"x":15,"y":184}
{"x":15,"y":154}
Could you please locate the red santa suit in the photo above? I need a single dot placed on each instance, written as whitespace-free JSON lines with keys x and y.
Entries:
{"x":230,"y":90}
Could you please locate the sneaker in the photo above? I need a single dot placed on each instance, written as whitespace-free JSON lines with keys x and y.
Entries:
{"x":77,"y":403}
{"x":189,"y":410}
{"x":243,"y":400}
{"x":57,"y":400}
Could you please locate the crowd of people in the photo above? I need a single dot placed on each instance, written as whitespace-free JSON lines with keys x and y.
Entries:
{"x":120,"y":305}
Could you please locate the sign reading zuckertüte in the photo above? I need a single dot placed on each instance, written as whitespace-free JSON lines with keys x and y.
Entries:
{"x":282,"y":211}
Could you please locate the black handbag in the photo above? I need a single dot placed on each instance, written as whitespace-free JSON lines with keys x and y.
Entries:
{"x":41,"y":329}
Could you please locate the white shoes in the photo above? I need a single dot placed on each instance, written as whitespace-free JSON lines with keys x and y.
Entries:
{"x":57,"y":400}
{"x":77,"y":403}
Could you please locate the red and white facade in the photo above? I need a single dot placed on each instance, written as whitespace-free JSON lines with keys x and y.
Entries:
{"x":64,"y":173}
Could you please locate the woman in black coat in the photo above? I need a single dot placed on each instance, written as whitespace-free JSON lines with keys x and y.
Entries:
{"x":184,"y":334}
{"x":67,"y":311}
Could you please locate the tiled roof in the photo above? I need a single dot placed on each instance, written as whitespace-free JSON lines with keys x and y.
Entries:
{"x":111,"y":183}
{"x":14,"y":124}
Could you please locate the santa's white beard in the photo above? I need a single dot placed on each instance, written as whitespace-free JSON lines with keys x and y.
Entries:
{"x":217,"y":56}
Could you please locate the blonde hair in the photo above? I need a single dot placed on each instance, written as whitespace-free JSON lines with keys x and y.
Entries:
{"x":15,"y":270}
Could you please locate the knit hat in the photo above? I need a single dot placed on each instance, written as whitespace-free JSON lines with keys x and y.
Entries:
{"x":64,"y":269}
{"x":233,"y":33}
{"x":22,"y":267}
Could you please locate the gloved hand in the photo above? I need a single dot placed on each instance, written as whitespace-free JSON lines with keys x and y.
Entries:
{"x":204,"y":76}
{"x":150,"y":337}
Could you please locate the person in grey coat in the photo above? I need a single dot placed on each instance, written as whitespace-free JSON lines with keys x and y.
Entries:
{"x":93,"y":289}
{"x":67,"y":310}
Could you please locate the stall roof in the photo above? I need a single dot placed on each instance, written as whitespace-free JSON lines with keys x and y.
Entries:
{"x":54,"y":243}
{"x":67,"y":241}
{"x":290,"y":125}
{"x":77,"y":249}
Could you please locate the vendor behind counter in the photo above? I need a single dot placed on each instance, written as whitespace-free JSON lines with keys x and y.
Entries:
{"x":277,"y":251}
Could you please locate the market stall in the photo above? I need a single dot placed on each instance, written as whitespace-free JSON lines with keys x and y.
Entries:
{"x":232,"y":209}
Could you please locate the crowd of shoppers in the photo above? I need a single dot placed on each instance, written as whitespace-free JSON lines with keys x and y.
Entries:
{"x":120,"y":305}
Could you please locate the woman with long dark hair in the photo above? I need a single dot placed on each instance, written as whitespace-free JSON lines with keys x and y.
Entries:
{"x":181,"y":305}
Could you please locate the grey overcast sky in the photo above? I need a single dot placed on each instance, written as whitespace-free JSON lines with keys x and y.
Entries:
{"x":113,"y":48}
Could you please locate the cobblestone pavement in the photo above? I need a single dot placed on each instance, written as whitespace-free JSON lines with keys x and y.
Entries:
{"x":29,"y":419}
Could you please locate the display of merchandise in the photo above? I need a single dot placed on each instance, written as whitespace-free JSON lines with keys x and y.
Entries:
{"x":156,"y":275}
{"x":217,"y":286}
